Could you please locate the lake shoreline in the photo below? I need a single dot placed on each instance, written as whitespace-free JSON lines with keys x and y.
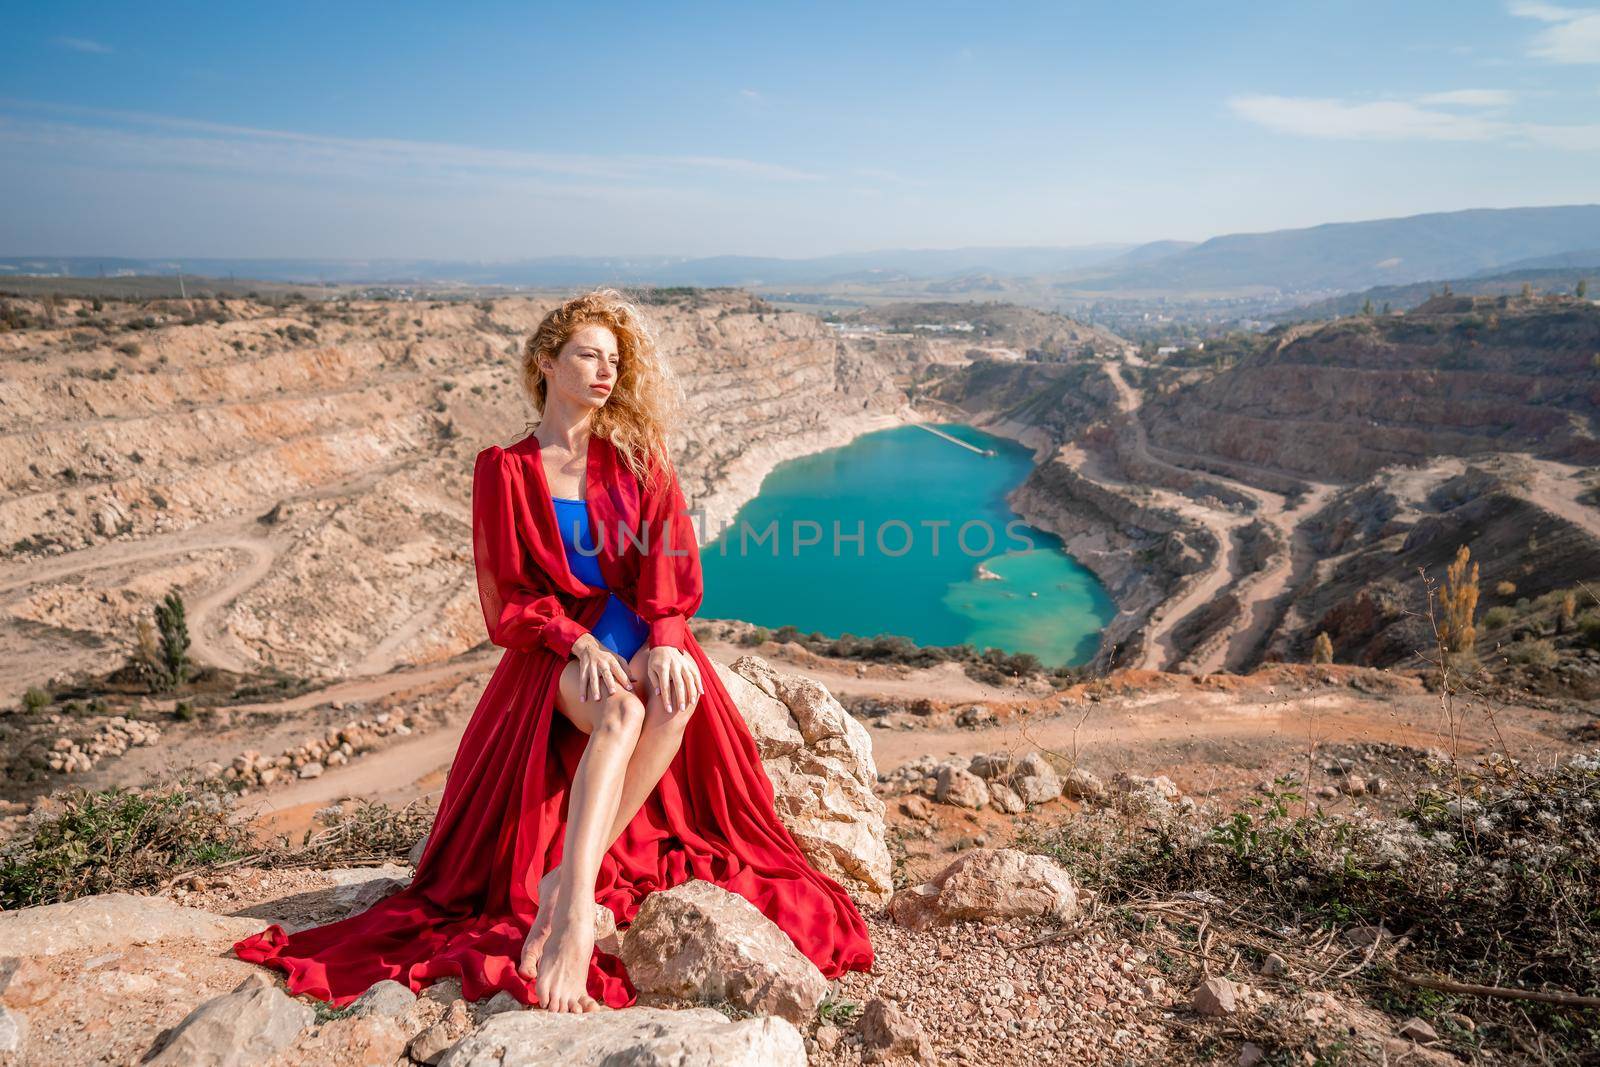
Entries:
{"x":1066,"y":606}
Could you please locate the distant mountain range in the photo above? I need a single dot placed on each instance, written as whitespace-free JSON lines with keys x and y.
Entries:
{"x":1357,"y":255}
{"x":1327,"y":259}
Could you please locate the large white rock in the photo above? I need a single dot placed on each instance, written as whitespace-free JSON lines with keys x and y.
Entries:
{"x":699,"y":943}
{"x":988,"y":883}
{"x":246,"y":1026}
{"x":637,"y":1036}
{"x":113,"y":920}
{"x":819,"y":760}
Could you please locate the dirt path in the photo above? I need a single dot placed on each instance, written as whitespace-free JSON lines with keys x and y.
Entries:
{"x":1161,"y":649}
{"x":1556,"y":487}
{"x":1284,"y":574}
{"x":244,"y":535}
{"x":1114,"y":731}
{"x":1259,"y":593}
{"x":210,"y":641}
{"x":1172,"y":727}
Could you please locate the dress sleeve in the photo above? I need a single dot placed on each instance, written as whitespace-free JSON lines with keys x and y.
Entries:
{"x":670,"y":585}
{"x":520,"y":610}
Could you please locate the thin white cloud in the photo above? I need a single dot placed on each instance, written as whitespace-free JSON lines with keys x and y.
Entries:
{"x":1470,"y":98}
{"x":1382,"y":120}
{"x":164,"y":141}
{"x":1404,"y":120}
{"x":1573,"y":138}
{"x":1571,"y":34}
{"x":83,"y":44}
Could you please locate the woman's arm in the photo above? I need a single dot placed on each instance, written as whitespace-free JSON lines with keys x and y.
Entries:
{"x":670,"y":585}
{"x":517,"y":611}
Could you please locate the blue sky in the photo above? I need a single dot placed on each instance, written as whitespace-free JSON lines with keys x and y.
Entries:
{"x":502,"y":131}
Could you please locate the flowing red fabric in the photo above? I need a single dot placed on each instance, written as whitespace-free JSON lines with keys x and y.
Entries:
{"x":502,"y":819}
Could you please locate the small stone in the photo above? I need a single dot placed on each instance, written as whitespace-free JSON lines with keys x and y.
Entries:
{"x":1251,"y":1054}
{"x":1214,"y":996}
{"x":1005,"y":800}
{"x":501,"y":1001}
{"x":1079,"y":784}
{"x":889,"y":1033}
{"x":252,"y":1023}
{"x":917,"y":807}
{"x":959,"y":786}
{"x":311,"y":770}
{"x":384,"y":998}
{"x":432,"y":1043}
{"x":701,"y":943}
{"x":1364,"y":936}
{"x":1415,"y":1029}
{"x":1274,"y":966}
{"x":991,"y":765}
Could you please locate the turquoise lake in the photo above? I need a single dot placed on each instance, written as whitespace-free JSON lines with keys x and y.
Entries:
{"x":928,"y":512}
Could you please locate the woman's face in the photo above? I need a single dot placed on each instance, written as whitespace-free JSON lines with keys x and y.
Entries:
{"x":585,"y":370}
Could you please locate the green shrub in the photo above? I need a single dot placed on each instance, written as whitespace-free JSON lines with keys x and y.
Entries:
{"x":1532,"y":652}
{"x":1497,"y":617}
{"x":1494,"y":874}
{"x":116,"y":840}
{"x":1589,"y":628}
{"x":35,"y":699}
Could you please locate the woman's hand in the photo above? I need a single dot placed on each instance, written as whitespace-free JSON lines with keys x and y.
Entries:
{"x":601,"y":669}
{"x":675,"y":675}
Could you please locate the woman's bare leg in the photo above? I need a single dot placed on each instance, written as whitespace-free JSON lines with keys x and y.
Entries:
{"x":659,"y":741}
{"x":558,"y":949}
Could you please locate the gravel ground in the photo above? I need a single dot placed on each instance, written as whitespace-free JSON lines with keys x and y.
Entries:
{"x":979,"y":997}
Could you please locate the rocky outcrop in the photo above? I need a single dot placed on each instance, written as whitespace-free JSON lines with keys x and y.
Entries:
{"x":988,"y":884}
{"x":1339,"y":401}
{"x":243,"y":1027}
{"x":648,"y":1037}
{"x":113,"y":920}
{"x":819,"y":760}
{"x":1368,"y":596}
{"x":700,"y":944}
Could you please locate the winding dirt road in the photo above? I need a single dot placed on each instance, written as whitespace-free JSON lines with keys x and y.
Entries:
{"x":1259,"y":593}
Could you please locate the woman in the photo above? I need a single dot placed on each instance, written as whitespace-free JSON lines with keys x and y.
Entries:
{"x":605,"y":760}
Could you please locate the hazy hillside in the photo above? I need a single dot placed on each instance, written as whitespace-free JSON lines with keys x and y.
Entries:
{"x":1356,"y":255}
{"x":1397,"y":298}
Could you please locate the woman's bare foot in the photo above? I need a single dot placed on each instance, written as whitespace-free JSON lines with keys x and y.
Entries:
{"x":539,"y":933}
{"x":563,"y":968}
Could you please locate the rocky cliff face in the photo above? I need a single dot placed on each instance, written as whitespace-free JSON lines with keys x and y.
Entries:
{"x":1212,"y":501}
{"x":1340,"y":401}
{"x":1383,"y":542}
{"x":301,"y":472}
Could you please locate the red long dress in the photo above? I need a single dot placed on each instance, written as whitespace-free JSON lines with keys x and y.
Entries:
{"x":502,"y":818}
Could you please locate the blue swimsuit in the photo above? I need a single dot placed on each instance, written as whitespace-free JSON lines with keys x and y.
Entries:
{"x":620,"y":629}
